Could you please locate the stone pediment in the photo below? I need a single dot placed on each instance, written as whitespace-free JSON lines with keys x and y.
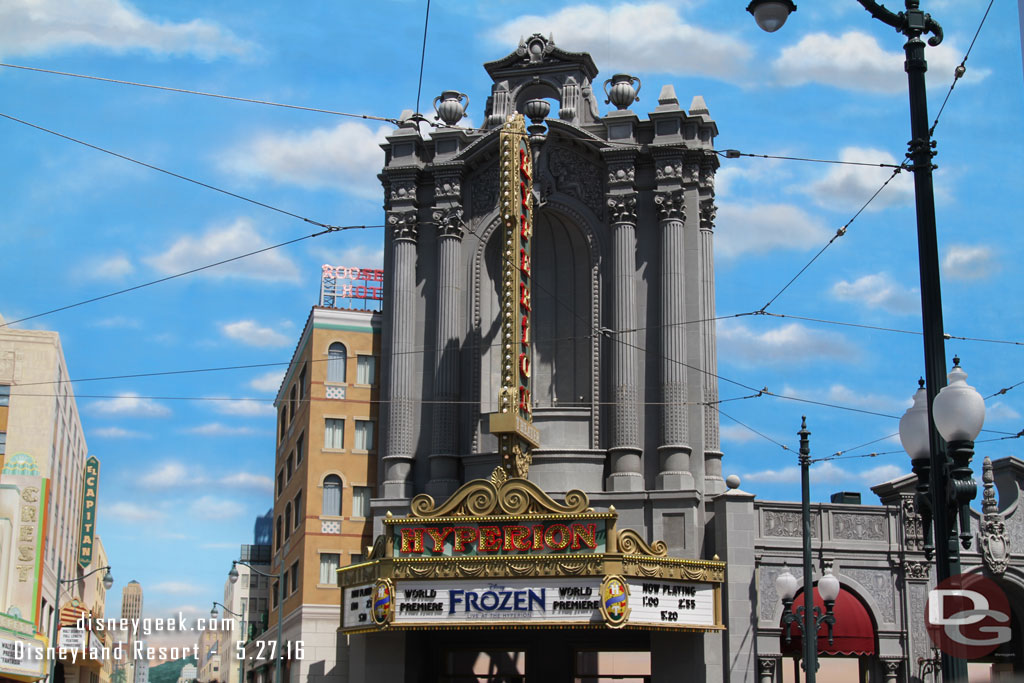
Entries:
{"x":538,"y":52}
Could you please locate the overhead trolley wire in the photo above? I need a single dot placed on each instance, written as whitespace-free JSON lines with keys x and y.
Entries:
{"x":960,"y":70}
{"x":204,"y":94}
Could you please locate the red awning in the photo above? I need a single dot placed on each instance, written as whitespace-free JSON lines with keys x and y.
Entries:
{"x":853,"y":633}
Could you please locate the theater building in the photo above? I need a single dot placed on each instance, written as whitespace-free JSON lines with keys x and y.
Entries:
{"x":550,"y":503}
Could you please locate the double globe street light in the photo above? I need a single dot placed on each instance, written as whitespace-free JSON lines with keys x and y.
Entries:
{"x":108,"y":581}
{"x":243,"y":630}
{"x":280,"y":576}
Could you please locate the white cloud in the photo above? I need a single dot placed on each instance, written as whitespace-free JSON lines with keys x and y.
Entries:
{"x":113,"y":267}
{"x":247,"y":480}
{"x":174,"y":588}
{"x":757,"y":228}
{"x":1000,"y":412}
{"x":879,"y":290}
{"x":118,"y":322}
{"x":224,"y":242}
{"x":169,"y":475}
{"x":213,"y":507}
{"x":826,"y":473}
{"x":242,"y":407}
{"x":855,"y":61}
{"x":218,"y":429}
{"x":39,"y":27}
{"x":358,"y":255}
{"x":269,"y":382}
{"x":734,"y":433}
{"x":130,"y":512}
{"x":844,"y":395}
{"x":783,"y":344}
{"x":346,"y":157}
{"x":252,"y":334}
{"x":649,"y":37}
{"x":967,"y":262}
{"x":846,"y":188}
{"x":118,"y":433}
{"x":130,"y":403}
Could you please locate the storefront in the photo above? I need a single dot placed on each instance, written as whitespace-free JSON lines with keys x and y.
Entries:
{"x":19,"y":647}
{"x":501,"y":582}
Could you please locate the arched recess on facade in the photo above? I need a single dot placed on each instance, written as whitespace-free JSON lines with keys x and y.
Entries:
{"x":855,"y":631}
{"x":565,"y":313}
{"x":543,"y":89}
{"x":1010,"y":654}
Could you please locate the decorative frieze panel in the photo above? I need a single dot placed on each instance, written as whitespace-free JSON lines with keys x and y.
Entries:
{"x":621,"y":173}
{"x":787,"y":523}
{"x":447,"y":186}
{"x":484,"y":190}
{"x":853,"y":526}
{"x":577,"y":177}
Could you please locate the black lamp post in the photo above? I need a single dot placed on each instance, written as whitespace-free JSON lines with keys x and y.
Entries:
{"x":914,"y":23}
{"x":807,"y":616}
{"x":233,"y":576}
{"x":108,"y":581}
{"x":213,"y":616}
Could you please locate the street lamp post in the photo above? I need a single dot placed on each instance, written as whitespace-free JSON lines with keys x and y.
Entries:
{"x":233,"y":576}
{"x":213,"y":615}
{"x":807,"y":616}
{"x":108,"y":581}
{"x":914,"y":23}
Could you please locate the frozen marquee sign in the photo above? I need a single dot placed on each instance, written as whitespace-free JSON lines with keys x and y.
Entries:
{"x":500,"y":553}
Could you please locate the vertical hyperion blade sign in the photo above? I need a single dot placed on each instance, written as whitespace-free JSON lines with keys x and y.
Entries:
{"x":87,"y":530}
{"x":513,"y":423}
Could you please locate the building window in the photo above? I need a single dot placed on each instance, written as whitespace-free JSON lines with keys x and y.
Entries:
{"x":295,"y":576}
{"x":366,"y":367}
{"x":336,"y":357}
{"x":280,"y":482}
{"x":277,"y":543}
{"x":298,"y":509}
{"x":332,"y":496}
{"x":329,"y":567}
{"x":283,"y":423}
{"x":290,"y":466}
{"x":302,"y":382}
{"x":254,"y":580}
{"x":300,"y":447}
{"x":355,"y":558}
{"x":292,"y":404}
{"x":334,"y":433}
{"x":364,"y":435}
{"x":287,"y":520}
{"x":274,"y":598}
{"x":5,"y":394}
{"x":360,"y":501}
{"x":3,"y":442}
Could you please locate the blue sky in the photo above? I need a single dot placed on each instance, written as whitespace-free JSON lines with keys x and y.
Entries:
{"x":184,"y":479}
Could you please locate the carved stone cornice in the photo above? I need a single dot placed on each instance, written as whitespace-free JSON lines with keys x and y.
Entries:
{"x":671,"y":205}
{"x":622,"y":208}
{"x":449,"y":222}
{"x":404,"y":225}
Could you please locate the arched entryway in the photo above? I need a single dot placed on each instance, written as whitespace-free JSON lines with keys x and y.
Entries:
{"x":851,"y":654}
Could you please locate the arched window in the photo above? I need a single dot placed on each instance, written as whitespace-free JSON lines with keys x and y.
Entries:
{"x":336,"y":357}
{"x":277,"y":536}
{"x":332,"y":496}
{"x":298,"y":509}
{"x":287,"y":520}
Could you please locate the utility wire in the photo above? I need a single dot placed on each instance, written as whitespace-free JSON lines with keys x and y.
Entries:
{"x":1004,"y":390}
{"x":960,"y":70}
{"x":866,"y":443}
{"x":171,"y":173}
{"x":751,"y":429}
{"x":735,"y":154}
{"x":423,"y":57}
{"x":946,"y":336}
{"x":204,"y":94}
{"x":187,"y":272}
{"x":839,"y":233}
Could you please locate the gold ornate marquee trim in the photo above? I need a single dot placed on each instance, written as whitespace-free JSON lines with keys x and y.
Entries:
{"x":483,"y":497}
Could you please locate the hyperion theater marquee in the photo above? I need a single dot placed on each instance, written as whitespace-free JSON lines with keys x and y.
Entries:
{"x":501,"y":553}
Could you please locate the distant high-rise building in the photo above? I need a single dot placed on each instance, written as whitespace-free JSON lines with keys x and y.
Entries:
{"x":263,"y":532}
{"x":131,"y":608}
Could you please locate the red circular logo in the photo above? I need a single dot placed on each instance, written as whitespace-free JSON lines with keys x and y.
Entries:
{"x":968,"y":616}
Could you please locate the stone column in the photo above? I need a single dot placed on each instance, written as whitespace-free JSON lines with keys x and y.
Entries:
{"x":892,"y":669}
{"x":674,"y":451}
{"x":399,"y":451}
{"x":624,"y":449}
{"x":713,"y":482}
{"x":444,"y":464}
{"x":766,"y":669}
